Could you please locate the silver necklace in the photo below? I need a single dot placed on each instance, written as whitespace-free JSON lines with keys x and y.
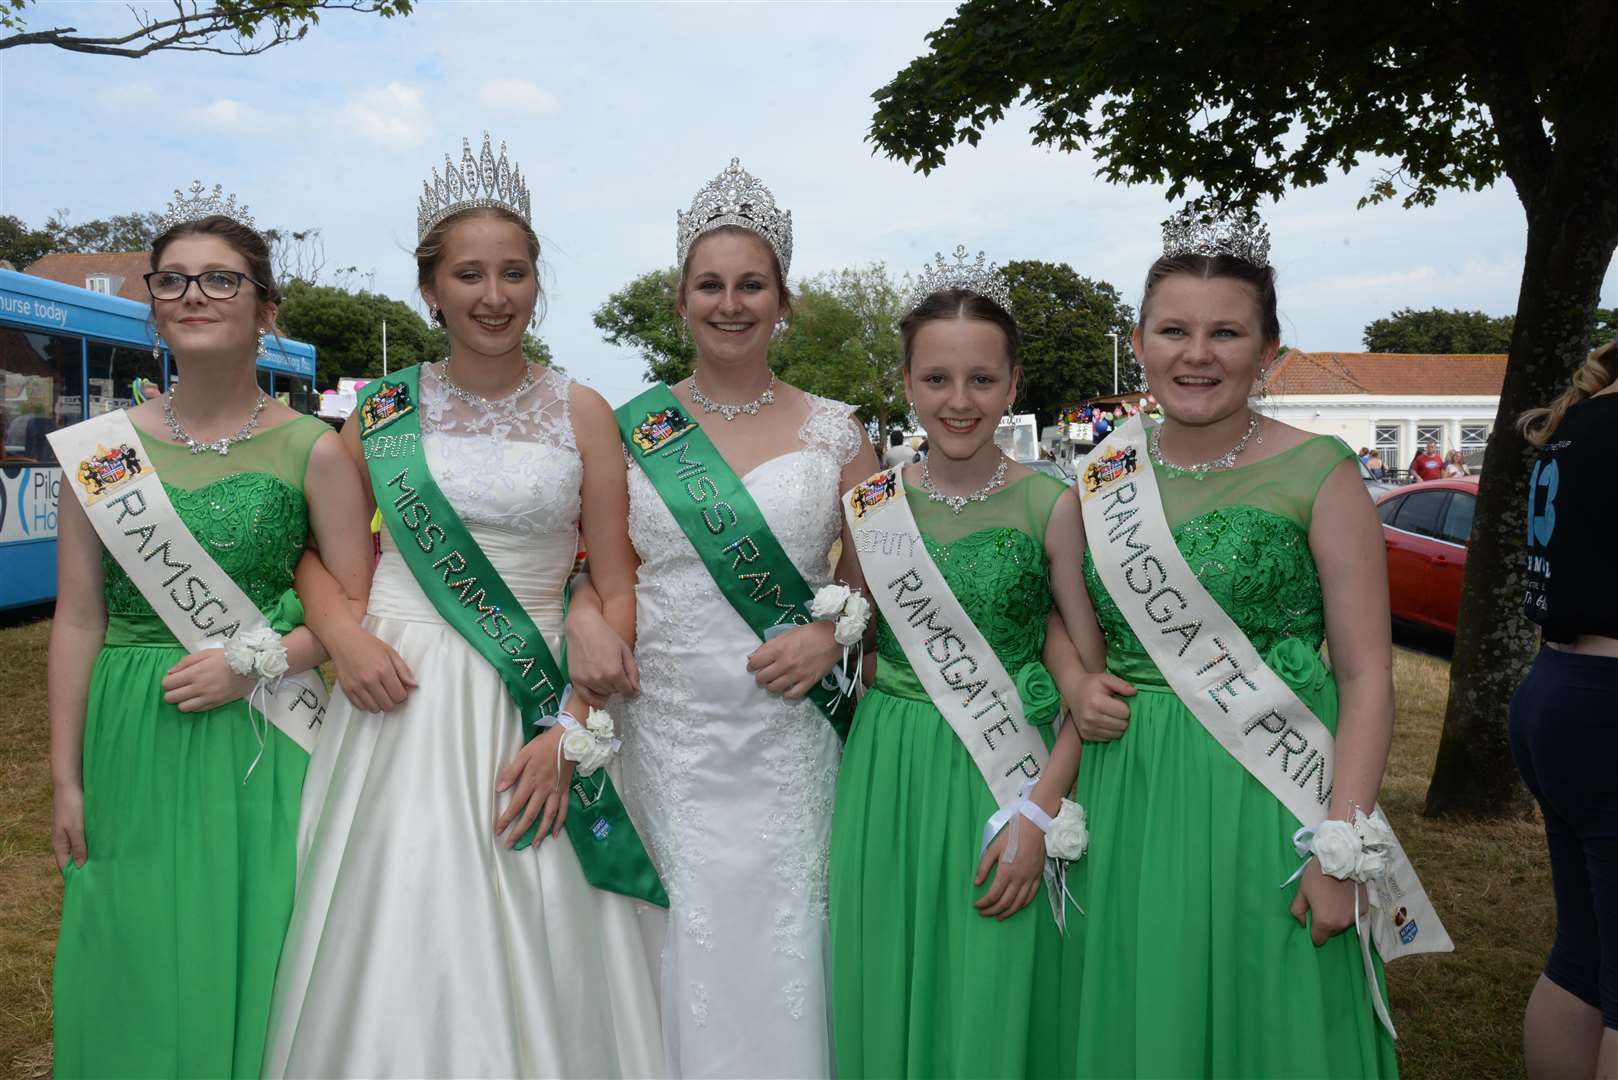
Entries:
{"x":730,"y":412}
{"x":478,"y":399}
{"x":958,"y":503}
{"x":1223,"y":461}
{"x":218,"y":446}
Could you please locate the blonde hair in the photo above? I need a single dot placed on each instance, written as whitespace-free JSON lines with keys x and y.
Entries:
{"x":1597,"y":373}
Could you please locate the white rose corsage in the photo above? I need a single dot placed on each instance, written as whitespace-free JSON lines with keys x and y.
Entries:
{"x":1358,"y":850}
{"x":258,"y":653}
{"x":1068,"y":837}
{"x":850,"y":610}
{"x":591,"y":744}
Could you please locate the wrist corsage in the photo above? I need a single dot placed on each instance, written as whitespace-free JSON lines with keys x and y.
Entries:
{"x":257,"y":653}
{"x":1358,"y":850}
{"x":850,"y":610}
{"x":1068,"y":836}
{"x":589,"y":745}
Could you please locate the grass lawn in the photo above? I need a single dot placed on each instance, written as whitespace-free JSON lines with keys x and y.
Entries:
{"x":1458,"y":1015}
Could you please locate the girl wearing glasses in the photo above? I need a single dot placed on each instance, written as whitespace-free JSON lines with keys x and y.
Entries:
{"x":176,"y":803}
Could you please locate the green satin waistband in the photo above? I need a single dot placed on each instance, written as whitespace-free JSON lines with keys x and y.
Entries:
{"x":138,"y":631}
{"x":1137,"y":670}
{"x":898,"y":680}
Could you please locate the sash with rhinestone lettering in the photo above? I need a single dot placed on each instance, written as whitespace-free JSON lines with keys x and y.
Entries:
{"x":1218,"y":674}
{"x":466,"y":589}
{"x":106,"y":469}
{"x":714,"y":510}
{"x":949,"y":654}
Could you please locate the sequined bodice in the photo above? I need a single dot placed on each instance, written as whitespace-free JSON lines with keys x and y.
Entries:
{"x":1000,"y":577}
{"x":1255,"y":563}
{"x":253,"y":524}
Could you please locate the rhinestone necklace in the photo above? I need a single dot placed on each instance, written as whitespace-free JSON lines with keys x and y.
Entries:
{"x":730,"y":412}
{"x":218,"y":446}
{"x":1223,"y":461}
{"x":958,"y":503}
{"x":478,"y":399}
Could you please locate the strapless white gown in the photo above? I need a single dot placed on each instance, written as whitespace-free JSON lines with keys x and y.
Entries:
{"x":419,"y":944}
{"x":732,"y":786}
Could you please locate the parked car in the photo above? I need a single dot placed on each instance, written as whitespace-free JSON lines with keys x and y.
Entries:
{"x":1426,"y":526}
{"x":1050,"y":468}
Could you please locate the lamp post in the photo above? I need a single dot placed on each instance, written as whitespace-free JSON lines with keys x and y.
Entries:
{"x":1114,"y":337}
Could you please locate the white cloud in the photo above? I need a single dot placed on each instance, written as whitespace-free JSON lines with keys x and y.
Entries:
{"x":394,"y":115}
{"x":1385,"y":280}
{"x":518,"y":95}
{"x":124,"y":97}
{"x":228,"y":114}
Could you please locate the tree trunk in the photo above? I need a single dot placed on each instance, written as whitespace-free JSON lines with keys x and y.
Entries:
{"x":1572,"y":231}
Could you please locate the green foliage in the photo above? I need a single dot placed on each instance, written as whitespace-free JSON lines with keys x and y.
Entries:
{"x":230,"y":27}
{"x":1066,"y":353}
{"x":20,"y":245}
{"x":847,"y":323}
{"x":641,"y":316}
{"x":1439,"y":331}
{"x":1247,"y":99}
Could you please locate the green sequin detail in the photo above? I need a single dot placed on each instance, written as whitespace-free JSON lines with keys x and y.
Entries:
{"x":1000,"y":577}
{"x":253,"y":524}
{"x":1257,"y":566}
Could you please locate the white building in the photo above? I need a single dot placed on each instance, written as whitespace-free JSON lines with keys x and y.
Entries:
{"x":1394,"y":402}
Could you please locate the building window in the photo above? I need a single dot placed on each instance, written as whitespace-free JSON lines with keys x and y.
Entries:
{"x":1430,"y":433}
{"x":100,"y":283}
{"x":1387,"y":442}
{"x":1474,"y":437}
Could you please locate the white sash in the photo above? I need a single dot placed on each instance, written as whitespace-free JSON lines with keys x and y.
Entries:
{"x":1218,"y":674}
{"x":104,"y":465}
{"x":956,"y":665}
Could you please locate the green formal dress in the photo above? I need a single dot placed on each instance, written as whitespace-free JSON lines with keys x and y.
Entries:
{"x":923,"y":985}
{"x":1189,"y":962}
{"x":172,"y":928}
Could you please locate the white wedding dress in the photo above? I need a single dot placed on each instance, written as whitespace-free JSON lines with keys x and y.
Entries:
{"x":420,"y":945}
{"x":733,"y":786}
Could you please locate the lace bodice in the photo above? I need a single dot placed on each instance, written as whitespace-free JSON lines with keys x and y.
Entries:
{"x":247,"y":510}
{"x":510,"y":464}
{"x":793,"y":502}
{"x":995,"y":565}
{"x":1252,"y":555}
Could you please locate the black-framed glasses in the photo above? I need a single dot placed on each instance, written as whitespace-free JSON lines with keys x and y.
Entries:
{"x":215,"y":284}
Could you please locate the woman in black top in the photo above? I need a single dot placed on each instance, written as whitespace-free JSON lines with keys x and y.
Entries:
{"x":1564,"y":718}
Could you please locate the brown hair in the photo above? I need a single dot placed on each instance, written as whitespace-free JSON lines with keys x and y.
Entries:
{"x":1597,"y":373}
{"x":1261,"y":278}
{"x":244,"y":241}
{"x":775,"y":263}
{"x":959,"y":304}
{"x":431,"y":248}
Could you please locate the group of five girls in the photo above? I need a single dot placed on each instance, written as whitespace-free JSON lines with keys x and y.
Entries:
{"x":848,"y":891}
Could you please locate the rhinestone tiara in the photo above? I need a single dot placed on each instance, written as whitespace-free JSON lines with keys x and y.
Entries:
{"x":203,"y":204}
{"x":479,"y":181}
{"x":735,"y":197}
{"x":981,"y":277}
{"x":1239,"y":233}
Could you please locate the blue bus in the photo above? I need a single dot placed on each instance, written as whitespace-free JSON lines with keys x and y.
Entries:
{"x":67,"y":354}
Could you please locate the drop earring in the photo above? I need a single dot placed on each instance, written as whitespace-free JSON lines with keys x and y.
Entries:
{"x":263,"y":353}
{"x":157,"y":347}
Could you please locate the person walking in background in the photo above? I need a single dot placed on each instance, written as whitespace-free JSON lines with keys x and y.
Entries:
{"x":1379,"y":469}
{"x":1564,"y":732}
{"x":899,"y":452}
{"x":1429,"y":464}
{"x":1455,"y":465}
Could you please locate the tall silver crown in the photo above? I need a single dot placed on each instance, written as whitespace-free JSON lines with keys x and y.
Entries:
{"x":201,"y":204}
{"x":735,"y":197}
{"x":980,"y":276}
{"x":1240,"y":233}
{"x":479,"y":181}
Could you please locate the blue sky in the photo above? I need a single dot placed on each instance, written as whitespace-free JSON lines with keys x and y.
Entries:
{"x":618,"y":112}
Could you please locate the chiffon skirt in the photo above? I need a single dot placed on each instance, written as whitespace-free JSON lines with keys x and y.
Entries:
{"x":171,"y":928}
{"x":420,"y":944}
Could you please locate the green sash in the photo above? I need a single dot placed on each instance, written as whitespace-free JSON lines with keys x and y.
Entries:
{"x":469,"y":593}
{"x":724,"y":524}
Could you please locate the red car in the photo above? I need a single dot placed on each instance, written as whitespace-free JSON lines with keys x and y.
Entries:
{"x":1426,"y":527}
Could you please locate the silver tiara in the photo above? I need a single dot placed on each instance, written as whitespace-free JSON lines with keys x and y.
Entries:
{"x":981,"y":277}
{"x":203,"y":204}
{"x":480,"y":181}
{"x":1239,"y":233}
{"x":735,"y":197}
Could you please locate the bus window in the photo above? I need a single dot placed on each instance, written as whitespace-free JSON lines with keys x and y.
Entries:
{"x":42,"y":390}
{"x":293,"y":390}
{"x":113,"y":371}
{"x":264,"y":384}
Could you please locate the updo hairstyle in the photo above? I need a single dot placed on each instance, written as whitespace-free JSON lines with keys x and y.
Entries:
{"x":959,"y":304}
{"x":431,"y":248}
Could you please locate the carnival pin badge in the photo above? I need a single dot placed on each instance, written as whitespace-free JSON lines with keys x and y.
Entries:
{"x":384,"y":407}
{"x":661,"y":428}
{"x":1114,"y":466}
{"x":108,"y":468}
{"x":872,"y":493}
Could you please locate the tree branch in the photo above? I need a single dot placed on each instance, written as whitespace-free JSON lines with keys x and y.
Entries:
{"x":193,"y":30}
